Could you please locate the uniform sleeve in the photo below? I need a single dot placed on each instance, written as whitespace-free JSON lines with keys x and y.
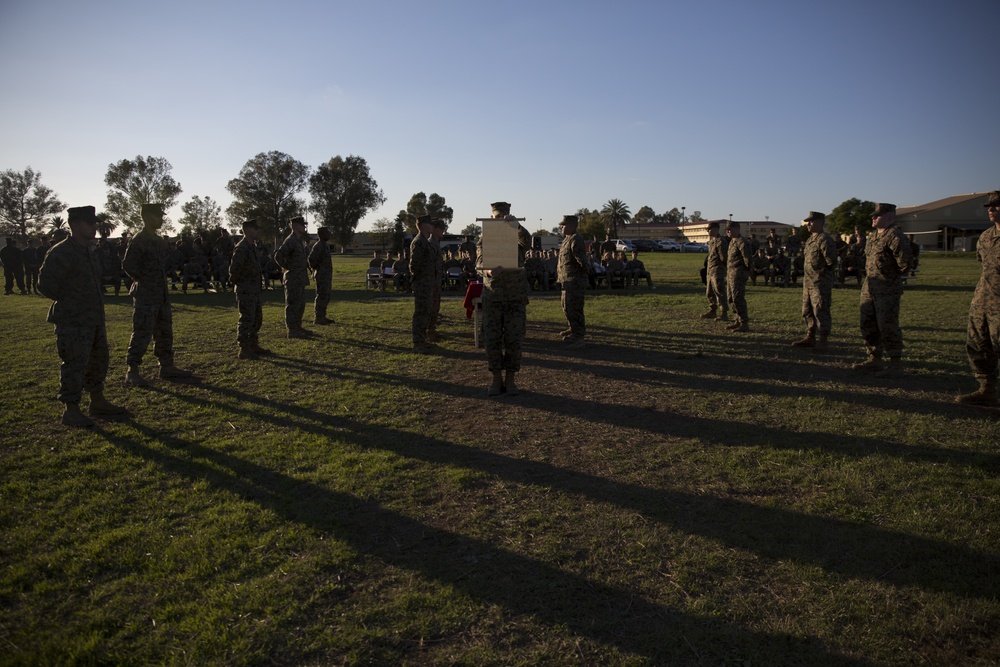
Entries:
{"x":901,"y":252}
{"x":281,"y":255}
{"x":51,"y":276}
{"x":132,"y":259}
{"x":580,"y":254}
{"x":830,"y":252}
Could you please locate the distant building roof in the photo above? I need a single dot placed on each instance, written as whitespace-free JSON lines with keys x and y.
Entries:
{"x":939,"y":204}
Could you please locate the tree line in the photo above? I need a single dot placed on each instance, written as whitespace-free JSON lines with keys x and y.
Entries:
{"x":269,"y":188}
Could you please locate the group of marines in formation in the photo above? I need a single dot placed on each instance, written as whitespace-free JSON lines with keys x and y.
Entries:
{"x":71,"y":276}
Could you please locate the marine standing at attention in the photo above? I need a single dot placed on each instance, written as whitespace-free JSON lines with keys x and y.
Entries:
{"x":245,"y":275}
{"x":291,"y":257}
{"x":819,"y":266}
{"x":982,"y":343}
{"x":505,"y":300}
{"x":715,"y":275}
{"x":321,"y":264}
{"x":573,"y":271}
{"x":71,"y":277}
{"x":423,"y":272}
{"x":152,"y":318}
{"x":887,"y":260}
{"x":737,"y":273}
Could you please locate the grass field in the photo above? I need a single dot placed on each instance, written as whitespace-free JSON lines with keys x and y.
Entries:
{"x":673,"y":494}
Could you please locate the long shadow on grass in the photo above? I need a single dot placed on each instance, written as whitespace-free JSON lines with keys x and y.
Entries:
{"x":708,"y":430}
{"x":521,"y":585}
{"x":838,"y":546}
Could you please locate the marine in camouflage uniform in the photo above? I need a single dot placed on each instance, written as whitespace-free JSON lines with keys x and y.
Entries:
{"x":245,"y":275}
{"x":820,"y":267}
{"x":737,"y":274}
{"x":888,"y":259}
{"x":436,"y":233}
{"x":572,"y":273}
{"x":423,"y":273}
{"x":292,"y":258}
{"x":715,"y":275}
{"x":322,"y":267}
{"x":505,"y":300}
{"x":982,"y":343}
{"x":152,"y":319}
{"x":71,"y":277}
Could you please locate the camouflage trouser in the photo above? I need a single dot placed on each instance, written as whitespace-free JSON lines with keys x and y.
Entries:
{"x":435,"y":304}
{"x":880,"y":323}
{"x":572,"y":305}
{"x":504,"y":323}
{"x":983,"y":341}
{"x":12,"y":275}
{"x":151,"y":321}
{"x":423,"y":304}
{"x":251,"y":318}
{"x":84,"y":355}
{"x":715,"y":290}
{"x":295,"y":302}
{"x":322,"y":295}
{"x":736,"y":293}
{"x":31,"y":278}
{"x":816,"y":301}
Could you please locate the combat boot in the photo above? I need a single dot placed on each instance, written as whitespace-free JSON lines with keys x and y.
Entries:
{"x":102,"y":406}
{"x":893,"y":370}
{"x":73,"y":417}
{"x":262,"y":351}
{"x":496,"y":388}
{"x":743,"y":327}
{"x":575,"y":343}
{"x":822,"y":343}
{"x":134,"y":379}
{"x":565,"y":333}
{"x":170,"y":372}
{"x":724,"y":317}
{"x":321,"y":321}
{"x":246,"y":352}
{"x":708,"y":314}
{"x":734,"y":326}
{"x":808,"y":341}
{"x":870,"y":365}
{"x":296,"y":333}
{"x":986,"y":394}
{"x":510,"y":386}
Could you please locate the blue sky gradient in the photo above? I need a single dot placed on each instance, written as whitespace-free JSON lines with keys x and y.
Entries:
{"x":766,"y":108}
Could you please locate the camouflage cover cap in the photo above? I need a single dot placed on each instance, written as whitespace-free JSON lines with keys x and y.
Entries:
{"x":569,"y":220}
{"x":714,"y":224}
{"x":501,"y":207}
{"x":151,"y":208}
{"x":82,"y":214}
{"x":814,"y":216}
{"x":251,"y":223}
{"x":439,"y":223}
{"x":732,"y":224}
{"x":424,"y":220}
{"x":993,"y":199}
{"x":883,"y":208}
{"x":297,"y":220}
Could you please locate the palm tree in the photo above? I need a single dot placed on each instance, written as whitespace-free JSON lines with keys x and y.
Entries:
{"x":56,"y":223}
{"x":615,"y":213}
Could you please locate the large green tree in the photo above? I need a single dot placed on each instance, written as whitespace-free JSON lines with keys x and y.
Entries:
{"x":614,"y":215}
{"x":26,"y":206}
{"x":132,"y":183}
{"x":343,"y":191}
{"x":590,"y":224}
{"x":266,"y":190}
{"x":200,"y":215}
{"x":850,"y":214}
{"x":644,"y":216}
{"x":434,"y":206}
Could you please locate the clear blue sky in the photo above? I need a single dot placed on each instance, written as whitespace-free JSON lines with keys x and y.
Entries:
{"x":755,"y":108}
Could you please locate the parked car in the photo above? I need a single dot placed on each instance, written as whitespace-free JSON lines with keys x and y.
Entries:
{"x":691,"y":246}
{"x":645,"y":245}
{"x":624,"y":244}
{"x":669,"y":245}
